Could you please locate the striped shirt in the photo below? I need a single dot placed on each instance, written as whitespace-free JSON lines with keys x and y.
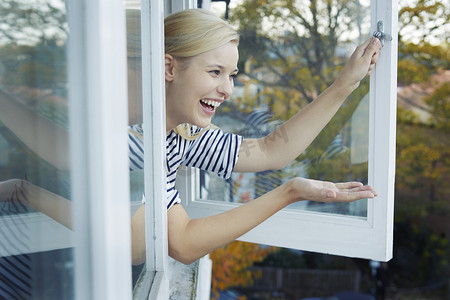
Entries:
{"x":214,"y":150}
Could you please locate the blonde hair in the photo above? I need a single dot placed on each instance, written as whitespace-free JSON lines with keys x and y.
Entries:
{"x":191,"y":32}
{"x":187,"y":33}
{"x":133,"y":26}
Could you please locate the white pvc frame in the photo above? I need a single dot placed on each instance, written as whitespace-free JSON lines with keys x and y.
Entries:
{"x":370,"y":237}
{"x":154,"y":281}
{"x":99,"y":153}
{"x":152,"y":22}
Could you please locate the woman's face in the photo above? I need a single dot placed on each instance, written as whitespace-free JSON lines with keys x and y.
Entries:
{"x":195,"y":91}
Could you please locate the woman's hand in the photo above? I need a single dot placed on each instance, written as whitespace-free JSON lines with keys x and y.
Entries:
{"x":360,"y":64}
{"x":12,"y":190}
{"x":24,"y":193}
{"x":324,"y":191}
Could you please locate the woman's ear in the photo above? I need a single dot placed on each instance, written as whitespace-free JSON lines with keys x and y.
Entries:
{"x":169,"y":62}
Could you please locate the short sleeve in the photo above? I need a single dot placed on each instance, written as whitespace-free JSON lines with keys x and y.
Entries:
{"x":214,"y":151}
{"x":173,"y":197}
{"x":136,"y":147}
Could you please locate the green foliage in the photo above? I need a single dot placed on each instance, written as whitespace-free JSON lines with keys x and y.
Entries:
{"x":405,"y":116}
{"x":421,"y":191}
{"x":288,"y":49}
{"x":423,"y":20}
{"x":423,"y":47}
{"x":418,"y":61}
{"x":300,"y":45}
{"x":423,"y":169}
{"x":336,"y":125}
{"x":439,"y":102}
{"x":297,"y":55}
{"x":410,"y":71}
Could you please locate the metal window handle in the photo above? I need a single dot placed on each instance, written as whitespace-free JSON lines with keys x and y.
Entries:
{"x":379,"y":34}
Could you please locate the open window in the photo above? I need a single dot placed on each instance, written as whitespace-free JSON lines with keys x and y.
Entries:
{"x":358,"y":144}
{"x":67,"y":145}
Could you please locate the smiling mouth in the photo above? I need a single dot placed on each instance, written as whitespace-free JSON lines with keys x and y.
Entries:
{"x":210,"y":105}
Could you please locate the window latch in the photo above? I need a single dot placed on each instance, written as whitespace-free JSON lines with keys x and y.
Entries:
{"x":380,"y":34}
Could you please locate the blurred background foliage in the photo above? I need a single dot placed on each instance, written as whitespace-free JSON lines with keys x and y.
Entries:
{"x":420,"y":267}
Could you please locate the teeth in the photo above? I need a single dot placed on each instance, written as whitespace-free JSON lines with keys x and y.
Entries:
{"x":211,"y":102}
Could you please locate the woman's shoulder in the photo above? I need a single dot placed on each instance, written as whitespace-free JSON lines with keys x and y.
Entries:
{"x":136,"y":128}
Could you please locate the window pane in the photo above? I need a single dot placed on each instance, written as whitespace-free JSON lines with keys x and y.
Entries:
{"x":35,"y":250}
{"x":289,"y":53}
{"x":134,"y":63}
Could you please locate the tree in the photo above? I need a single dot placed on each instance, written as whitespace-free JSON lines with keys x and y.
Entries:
{"x":423,"y":47}
{"x":423,"y":22}
{"x":423,"y":156}
{"x":299,"y":54}
{"x":33,"y":66}
{"x":231,"y":265}
{"x":299,"y":46}
{"x":282,"y":38}
{"x":28,"y":22}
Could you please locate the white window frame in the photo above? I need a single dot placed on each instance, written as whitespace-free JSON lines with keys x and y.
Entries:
{"x":371,"y":237}
{"x":98,"y":76}
{"x":98,"y":155}
{"x":153,"y":93}
{"x":99,"y":152}
{"x":154,"y":283}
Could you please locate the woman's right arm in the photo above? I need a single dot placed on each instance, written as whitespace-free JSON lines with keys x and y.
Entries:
{"x":47,"y":139}
{"x":138,"y":236}
{"x":190,"y":239}
{"x":25,"y":193}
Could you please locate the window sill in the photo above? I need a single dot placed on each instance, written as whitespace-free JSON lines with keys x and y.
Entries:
{"x":189,"y":282}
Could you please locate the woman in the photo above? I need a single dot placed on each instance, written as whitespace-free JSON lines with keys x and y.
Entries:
{"x":200,"y":63}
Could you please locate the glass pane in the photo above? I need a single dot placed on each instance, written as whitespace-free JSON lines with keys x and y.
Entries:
{"x":36,"y":257}
{"x":290,"y":51}
{"x":133,"y":23}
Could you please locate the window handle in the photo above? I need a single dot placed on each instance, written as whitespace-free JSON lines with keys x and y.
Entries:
{"x":380,"y":34}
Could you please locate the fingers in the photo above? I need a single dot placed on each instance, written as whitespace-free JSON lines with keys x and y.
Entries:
{"x":373,"y":47}
{"x":352,"y":191}
{"x":362,"y":48}
{"x":370,"y":49}
{"x":348,"y":185}
{"x":375,"y":57}
{"x":373,"y":61}
{"x":353,"y":196}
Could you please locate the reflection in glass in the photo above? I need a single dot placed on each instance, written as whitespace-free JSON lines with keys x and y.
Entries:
{"x":134,"y":64}
{"x":35,"y":249}
{"x":289,"y":54}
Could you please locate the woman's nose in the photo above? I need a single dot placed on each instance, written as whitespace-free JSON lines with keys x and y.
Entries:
{"x":226,"y":88}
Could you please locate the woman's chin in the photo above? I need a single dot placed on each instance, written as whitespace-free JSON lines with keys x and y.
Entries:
{"x":202,"y":123}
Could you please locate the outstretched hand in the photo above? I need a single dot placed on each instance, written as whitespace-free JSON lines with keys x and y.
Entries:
{"x":360,"y":64}
{"x":324,"y":191}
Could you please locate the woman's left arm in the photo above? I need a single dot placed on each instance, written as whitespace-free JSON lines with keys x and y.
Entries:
{"x":288,"y":141}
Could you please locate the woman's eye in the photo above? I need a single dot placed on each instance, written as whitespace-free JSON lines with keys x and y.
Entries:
{"x":215,"y":72}
{"x":233,"y":75}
